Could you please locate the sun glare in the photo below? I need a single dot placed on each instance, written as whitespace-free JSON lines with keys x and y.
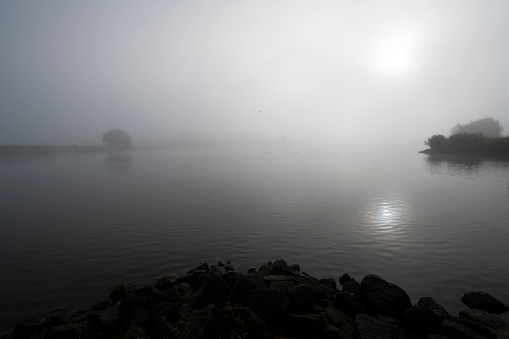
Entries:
{"x":394,"y":55}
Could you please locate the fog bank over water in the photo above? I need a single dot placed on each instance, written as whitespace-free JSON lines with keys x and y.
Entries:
{"x":355,"y":72}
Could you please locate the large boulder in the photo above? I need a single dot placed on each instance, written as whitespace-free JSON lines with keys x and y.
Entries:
{"x":382,"y":297}
{"x":369,"y":327}
{"x":268,"y":304}
{"x":484,"y":301}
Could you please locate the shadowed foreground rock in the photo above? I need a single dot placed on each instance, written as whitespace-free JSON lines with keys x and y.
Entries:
{"x":275,"y":301}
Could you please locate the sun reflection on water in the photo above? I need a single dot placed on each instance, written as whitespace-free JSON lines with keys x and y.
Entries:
{"x":385,"y":216}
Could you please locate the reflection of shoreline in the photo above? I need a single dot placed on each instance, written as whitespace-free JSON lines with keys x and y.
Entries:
{"x":48,"y":149}
{"x":440,"y":154}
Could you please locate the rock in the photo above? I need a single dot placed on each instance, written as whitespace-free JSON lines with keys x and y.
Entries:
{"x":348,"y":304}
{"x":305,"y":326}
{"x":270,"y":305}
{"x":167,"y":281}
{"x":382,"y":297}
{"x":302,"y":299}
{"x":282,"y":286}
{"x":435,"y":307}
{"x":344,"y":278}
{"x":457,"y":329}
{"x":352,"y":287}
{"x":108,"y":318}
{"x":135,"y":332}
{"x":215,"y":269}
{"x":195,"y":278}
{"x":195,"y":325}
{"x":235,"y":322}
{"x":231,"y":277}
{"x":121,"y":290}
{"x":484,"y":318}
{"x":484,"y":301}
{"x":165,"y":309}
{"x":337,"y":318}
{"x":70,"y":331}
{"x":27,"y":328}
{"x":294,"y":267}
{"x":332,"y":332}
{"x":242,"y":288}
{"x":273,"y":277}
{"x":202,"y":268}
{"x":101,"y":305}
{"x":53,"y":321}
{"x":369,"y":327}
{"x":143,"y":298}
{"x":422,"y":320}
{"x":329,"y":282}
{"x":162,"y":328}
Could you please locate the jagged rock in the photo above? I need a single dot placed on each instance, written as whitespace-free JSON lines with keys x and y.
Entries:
{"x":305,"y":326}
{"x":352,"y":287}
{"x":53,"y":321}
{"x":302,"y":298}
{"x":213,"y":289}
{"x":203,"y":268}
{"x":422,"y":320}
{"x":484,"y":301}
{"x":434,"y":306}
{"x":294,"y":267}
{"x":121,"y":290}
{"x":273,"y":277}
{"x":167,"y":281}
{"x":162,"y":328}
{"x":165,"y":309}
{"x":135,"y":332}
{"x":234,"y":322}
{"x":484,"y":318}
{"x":144,"y":298}
{"x":348,"y":304}
{"x":332,"y":332}
{"x":268,"y":304}
{"x":323,"y":292}
{"x":282,"y":286}
{"x":215,"y":269}
{"x":231,"y":277}
{"x":344,"y":278}
{"x":27,"y":328}
{"x":369,"y":327}
{"x":70,"y":331}
{"x":195,"y":278}
{"x":242,"y":288}
{"x":171,"y":295}
{"x":195,"y":326}
{"x":457,"y":329}
{"x":329,"y":282}
{"x":108,"y":317}
{"x":337,"y":318}
{"x":382,"y":297}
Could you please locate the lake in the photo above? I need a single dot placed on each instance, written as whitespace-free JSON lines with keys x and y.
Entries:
{"x":73,"y":226}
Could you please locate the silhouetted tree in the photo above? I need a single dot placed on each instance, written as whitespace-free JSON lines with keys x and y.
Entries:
{"x":437,"y":141}
{"x":117,"y":139}
{"x":489,"y":127}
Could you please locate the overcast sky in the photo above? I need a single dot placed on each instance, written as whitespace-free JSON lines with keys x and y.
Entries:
{"x":72,"y":70}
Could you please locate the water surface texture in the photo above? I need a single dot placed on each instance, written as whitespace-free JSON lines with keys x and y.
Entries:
{"x":73,"y":226}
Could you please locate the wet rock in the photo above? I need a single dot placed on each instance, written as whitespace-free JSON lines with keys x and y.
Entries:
{"x":369,"y":327}
{"x":344,"y":278}
{"x":121,"y":290}
{"x":422,"y":320}
{"x":337,"y":318}
{"x":305,"y":326}
{"x":484,"y":318}
{"x":382,"y":297}
{"x":167,"y":281}
{"x":201,"y":268}
{"x":484,"y":301}
{"x":302,"y":298}
{"x":27,"y":328}
{"x":348,"y":304}
{"x":195,"y":278}
{"x":329,"y":282}
{"x":294,"y":267}
{"x":457,"y":329}
{"x":53,"y":321}
{"x":268,"y":304}
{"x":242,"y":288}
{"x":352,"y":287}
{"x":70,"y":331}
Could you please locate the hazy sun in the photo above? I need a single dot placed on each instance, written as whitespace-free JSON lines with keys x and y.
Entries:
{"x":394,"y":55}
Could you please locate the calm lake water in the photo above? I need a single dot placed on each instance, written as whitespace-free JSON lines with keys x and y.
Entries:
{"x":74,"y":226}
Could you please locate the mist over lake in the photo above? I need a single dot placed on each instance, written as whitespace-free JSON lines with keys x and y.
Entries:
{"x":76,"y":225}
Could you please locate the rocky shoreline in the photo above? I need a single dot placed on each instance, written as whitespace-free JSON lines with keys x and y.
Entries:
{"x":276,"y":300}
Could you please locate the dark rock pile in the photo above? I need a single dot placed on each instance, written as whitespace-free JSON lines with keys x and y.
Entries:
{"x":275,"y":301}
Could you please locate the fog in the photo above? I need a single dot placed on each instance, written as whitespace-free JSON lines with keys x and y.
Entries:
{"x":355,"y":72}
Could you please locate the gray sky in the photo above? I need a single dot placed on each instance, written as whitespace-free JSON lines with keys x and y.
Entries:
{"x":346,"y":70}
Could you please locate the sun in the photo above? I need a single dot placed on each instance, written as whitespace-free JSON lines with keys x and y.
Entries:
{"x":394,"y":55}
